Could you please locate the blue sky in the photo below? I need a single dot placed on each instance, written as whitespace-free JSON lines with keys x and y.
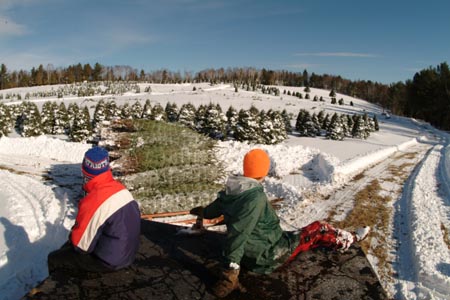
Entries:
{"x":384,"y":41}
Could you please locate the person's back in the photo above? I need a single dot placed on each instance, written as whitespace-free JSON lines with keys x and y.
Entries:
{"x":252,"y":222}
{"x":108,"y":222}
{"x":105,"y":236}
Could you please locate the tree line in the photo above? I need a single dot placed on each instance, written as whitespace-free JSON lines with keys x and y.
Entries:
{"x":426,"y":96}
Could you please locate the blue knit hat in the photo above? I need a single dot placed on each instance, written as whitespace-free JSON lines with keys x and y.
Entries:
{"x":95,"y":162}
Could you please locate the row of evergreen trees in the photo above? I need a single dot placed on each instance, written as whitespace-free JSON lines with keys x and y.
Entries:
{"x":83,"y":89}
{"x":250,"y":125}
{"x":336,"y":127}
{"x":53,"y":119}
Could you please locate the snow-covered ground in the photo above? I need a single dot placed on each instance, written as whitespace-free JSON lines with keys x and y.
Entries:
{"x":40,"y":179}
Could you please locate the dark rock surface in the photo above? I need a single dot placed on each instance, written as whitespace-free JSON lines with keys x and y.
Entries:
{"x":170,"y":266}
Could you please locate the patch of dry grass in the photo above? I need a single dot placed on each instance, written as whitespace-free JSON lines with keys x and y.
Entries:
{"x":446,"y":234}
{"x":13,"y":170}
{"x":374,"y":210}
{"x":399,"y":171}
{"x":358,"y":176}
{"x":374,"y":207}
{"x":408,"y":155}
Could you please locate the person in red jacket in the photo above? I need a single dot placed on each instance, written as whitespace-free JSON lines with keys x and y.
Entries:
{"x":105,"y":236}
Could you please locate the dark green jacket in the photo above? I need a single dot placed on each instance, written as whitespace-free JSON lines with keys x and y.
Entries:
{"x":255,"y":239}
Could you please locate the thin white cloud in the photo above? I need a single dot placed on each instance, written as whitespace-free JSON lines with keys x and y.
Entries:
{"x":302,"y":66}
{"x":28,"y":59}
{"x":336,"y":54}
{"x":22,"y":61}
{"x":11,"y":28}
{"x":9,"y":3}
{"x":121,"y":37}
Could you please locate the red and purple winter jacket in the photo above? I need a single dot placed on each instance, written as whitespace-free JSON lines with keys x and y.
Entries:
{"x":108,"y":222}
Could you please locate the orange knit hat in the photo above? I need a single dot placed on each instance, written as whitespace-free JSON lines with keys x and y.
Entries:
{"x":256,"y":164}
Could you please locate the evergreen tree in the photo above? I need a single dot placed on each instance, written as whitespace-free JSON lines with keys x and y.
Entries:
{"x":375,"y":122}
{"x":287,"y":121}
{"x":247,"y":127}
{"x":333,"y":100}
{"x":325,"y":123}
{"x":332,"y":93}
{"x":320,"y":117}
{"x":48,"y":117}
{"x":299,"y":123}
{"x":346,"y":130}
{"x":232,"y":119}
{"x":158,"y":113}
{"x":254,"y":111}
{"x":81,"y":130}
{"x":309,"y":126}
{"x":112,"y":110}
{"x":266,"y":129}
{"x":359,"y":130}
{"x":171,"y":112}
{"x":215,"y":122}
{"x":369,"y":126}
{"x":307,"y":89}
{"x":16,"y":111}
{"x":62,"y":122}
{"x":200,"y":118}
{"x":125,"y":112}
{"x":186,"y":116}
{"x":5,"y":120}
{"x":350,"y":124}
{"x":304,"y":124}
{"x":100,"y":114}
{"x":31,"y":120}
{"x":335,"y":130}
{"x":315,"y":124}
{"x":341,"y":101}
{"x":147,"y":110}
{"x":136,"y":110}
{"x":279,"y":126}
{"x":72,"y":112}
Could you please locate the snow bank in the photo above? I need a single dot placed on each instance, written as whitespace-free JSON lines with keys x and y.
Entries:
{"x":285,"y":159}
{"x":429,"y":249}
{"x":323,"y":166}
{"x":353,"y":166}
{"x":44,"y":146}
{"x":446,"y":167}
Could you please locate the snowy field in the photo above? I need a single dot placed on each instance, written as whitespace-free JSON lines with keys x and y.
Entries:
{"x":40,"y":179}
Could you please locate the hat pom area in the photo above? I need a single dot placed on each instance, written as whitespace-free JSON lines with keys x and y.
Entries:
{"x":95,"y":162}
{"x":256,"y":163}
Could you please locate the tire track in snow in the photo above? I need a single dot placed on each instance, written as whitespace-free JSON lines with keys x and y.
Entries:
{"x":417,"y":228}
{"x":31,"y":214}
{"x":342,"y":198}
{"x":35,"y":223}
